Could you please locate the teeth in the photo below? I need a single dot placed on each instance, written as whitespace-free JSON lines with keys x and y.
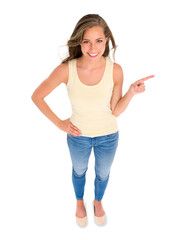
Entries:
{"x":93,"y":54}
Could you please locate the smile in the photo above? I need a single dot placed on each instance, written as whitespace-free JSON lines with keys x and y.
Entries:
{"x":92,"y":55}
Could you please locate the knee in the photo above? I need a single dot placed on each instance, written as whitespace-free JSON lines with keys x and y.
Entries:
{"x":103,"y":177}
{"x":79,"y":172}
{"x":102,"y":173}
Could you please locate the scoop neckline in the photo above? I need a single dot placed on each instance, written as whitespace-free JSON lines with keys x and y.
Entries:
{"x":95,"y":84}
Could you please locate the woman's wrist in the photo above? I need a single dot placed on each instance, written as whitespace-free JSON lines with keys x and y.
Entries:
{"x":59,"y":123}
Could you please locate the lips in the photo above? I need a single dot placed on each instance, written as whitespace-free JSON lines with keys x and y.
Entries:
{"x":92,"y":54}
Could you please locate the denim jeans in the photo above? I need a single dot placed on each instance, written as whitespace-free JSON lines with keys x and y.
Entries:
{"x":80,"y":148}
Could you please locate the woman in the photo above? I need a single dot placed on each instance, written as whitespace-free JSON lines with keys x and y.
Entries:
{"x":94,"y":85}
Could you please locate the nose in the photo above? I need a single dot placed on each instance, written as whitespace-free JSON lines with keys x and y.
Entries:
{"x":92,"y":46}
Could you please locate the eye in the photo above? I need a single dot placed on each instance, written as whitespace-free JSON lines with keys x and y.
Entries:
{"x":86,"y":42}
{"x":100,"y":41}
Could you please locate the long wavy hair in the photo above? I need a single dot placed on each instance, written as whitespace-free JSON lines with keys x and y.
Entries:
{"x":88,"y":21}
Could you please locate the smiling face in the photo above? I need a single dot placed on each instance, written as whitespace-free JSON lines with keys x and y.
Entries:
{"x":93,"y":43}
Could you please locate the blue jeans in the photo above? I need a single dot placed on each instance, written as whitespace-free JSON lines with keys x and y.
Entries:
{"x":80,"y":148}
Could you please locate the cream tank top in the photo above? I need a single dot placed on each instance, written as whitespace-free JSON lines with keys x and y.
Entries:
{"x":91,"y":111}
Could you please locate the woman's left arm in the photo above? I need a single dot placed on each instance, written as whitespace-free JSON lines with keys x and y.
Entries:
{"x":119,"y":103}
{"x":117,"y":89}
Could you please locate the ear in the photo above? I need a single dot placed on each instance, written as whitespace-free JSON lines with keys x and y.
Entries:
{"x":107,"y":39}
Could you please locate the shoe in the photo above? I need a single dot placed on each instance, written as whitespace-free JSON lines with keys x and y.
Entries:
{"x":99,"y":220}
{"x":82,"y":222}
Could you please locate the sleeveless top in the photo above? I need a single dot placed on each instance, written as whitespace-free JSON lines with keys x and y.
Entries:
{"x":91,"y":111}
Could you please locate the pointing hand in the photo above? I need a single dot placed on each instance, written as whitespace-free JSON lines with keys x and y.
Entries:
{"x":139,"y":86}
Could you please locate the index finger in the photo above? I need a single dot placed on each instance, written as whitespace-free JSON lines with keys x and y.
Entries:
{"x":144,"y":79}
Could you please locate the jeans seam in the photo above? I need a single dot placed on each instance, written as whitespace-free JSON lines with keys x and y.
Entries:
{"x":97,"y":186}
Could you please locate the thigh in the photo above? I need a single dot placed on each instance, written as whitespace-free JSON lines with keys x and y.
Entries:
{"x":80,"y":149}
{"x":104,"y":152}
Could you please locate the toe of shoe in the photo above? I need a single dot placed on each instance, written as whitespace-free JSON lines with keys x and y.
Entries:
{"x":81,"y":221}
{"x":100,"y":220}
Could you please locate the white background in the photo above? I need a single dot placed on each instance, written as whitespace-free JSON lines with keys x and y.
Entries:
{"x":145,"y":198}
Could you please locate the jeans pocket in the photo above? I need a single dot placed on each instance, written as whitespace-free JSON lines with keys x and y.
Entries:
{"x":112,"y":135}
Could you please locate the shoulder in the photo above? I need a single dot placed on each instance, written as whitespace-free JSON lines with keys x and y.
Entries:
{"x":63,"y":67}
{"x":61,"y":72}
{"x":117,"y":73}
{"x":117,"y":68}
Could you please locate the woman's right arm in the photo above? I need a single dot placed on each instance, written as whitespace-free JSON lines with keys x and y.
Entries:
{"x":59,"y":75}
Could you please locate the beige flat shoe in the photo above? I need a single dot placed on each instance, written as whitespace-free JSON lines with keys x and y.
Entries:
{"x":99,"y":220}
{"x":82,"y":222}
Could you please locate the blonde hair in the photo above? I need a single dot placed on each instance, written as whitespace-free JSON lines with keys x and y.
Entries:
{"x":88,"y":21}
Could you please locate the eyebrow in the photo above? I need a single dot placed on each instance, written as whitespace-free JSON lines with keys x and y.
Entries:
{"x":89,"y":39}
